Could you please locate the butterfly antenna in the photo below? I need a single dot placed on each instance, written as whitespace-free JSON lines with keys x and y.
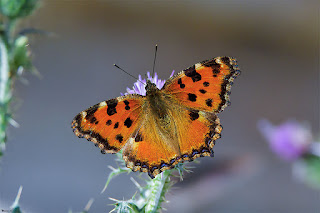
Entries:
{"x":154,"y":61}
{"x":127,"y":73}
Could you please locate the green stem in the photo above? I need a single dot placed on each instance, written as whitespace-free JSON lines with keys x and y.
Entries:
{"x":158,"y":188}
{"x":5,"y":92}
{"x":10,"y":27}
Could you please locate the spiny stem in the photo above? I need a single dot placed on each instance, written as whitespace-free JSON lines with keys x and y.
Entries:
{"x":159,"y":187}
{"x":5,"y":92}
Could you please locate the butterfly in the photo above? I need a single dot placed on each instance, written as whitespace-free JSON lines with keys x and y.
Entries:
{"x":173,"y":124}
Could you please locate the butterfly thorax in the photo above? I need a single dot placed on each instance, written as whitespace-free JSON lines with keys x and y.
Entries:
{"x":151,"y":88}
{"x":156,"y":101}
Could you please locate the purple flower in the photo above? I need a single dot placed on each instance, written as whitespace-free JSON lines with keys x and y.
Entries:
{"x":289,"y":140}
{"x":139,"y":86}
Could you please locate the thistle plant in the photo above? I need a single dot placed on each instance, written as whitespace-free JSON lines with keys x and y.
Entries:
{"x":14,"y":56}
{"x":15,"y":207}
{"x":150,"y":197}
{"x":293,"y":142}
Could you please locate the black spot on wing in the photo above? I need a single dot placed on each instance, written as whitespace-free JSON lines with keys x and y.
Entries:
{"x":215,"y":71}
{"x":209,"y":102}
{"x":119,"y":138}
{"x":128,"y":122}
{"x":90,"y":113}
{"x":102,"y":140}
{"x":181,"y":84}
{"x":194,"y":115}
{"x":192,"y":97}
{"x":109,"y":122}
{"x":202,"y":91}
{"x":91,"y":119}
{"x":138,"y":138}
{"x":214,"y":65}
{"x":112,"y":104}
{"x":206,"y":84}
{"x":226,"y":60}
{"x":92,"y":110}
{"x":116,"y":125}
{"x":126,"y":102}
{"x":192,"y":73}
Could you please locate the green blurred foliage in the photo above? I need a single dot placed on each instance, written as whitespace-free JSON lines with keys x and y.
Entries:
{"x":312,"y":167}
{"x":15,"y":56}
{"x":17,"y":8}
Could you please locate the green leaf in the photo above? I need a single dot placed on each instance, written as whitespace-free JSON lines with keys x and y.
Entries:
{"x":20,"y":56}
{"x":312,"y":164}
{"x":17,"y":8}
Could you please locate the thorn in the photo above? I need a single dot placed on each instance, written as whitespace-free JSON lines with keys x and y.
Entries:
{"x":87,"y":207}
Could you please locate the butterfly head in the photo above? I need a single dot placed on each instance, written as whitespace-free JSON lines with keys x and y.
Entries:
{"x":151,"y":88}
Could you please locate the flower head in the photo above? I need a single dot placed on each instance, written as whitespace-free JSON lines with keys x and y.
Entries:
{"x":289,"y":140}
{"x":139,"y":86}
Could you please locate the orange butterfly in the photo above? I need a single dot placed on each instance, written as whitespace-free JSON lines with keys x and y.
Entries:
{"x":176,"y":123}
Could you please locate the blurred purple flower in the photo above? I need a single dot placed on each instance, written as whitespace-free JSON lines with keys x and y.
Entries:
{"x":139,"y":86}
{"x":289,"y":140}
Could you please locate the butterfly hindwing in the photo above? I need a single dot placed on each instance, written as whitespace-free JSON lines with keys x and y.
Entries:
{"x":204,"y":86}
{"x":198,"y":131}
{"x":192,"y":135}
{"x":110,"y":123}
{"x":147,"y":152}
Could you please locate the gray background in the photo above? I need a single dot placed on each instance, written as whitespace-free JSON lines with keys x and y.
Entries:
{"x":275,"y":43}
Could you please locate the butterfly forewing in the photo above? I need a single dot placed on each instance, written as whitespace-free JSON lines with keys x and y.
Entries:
{"x":110,"y":123}
{"x":204,"y":86}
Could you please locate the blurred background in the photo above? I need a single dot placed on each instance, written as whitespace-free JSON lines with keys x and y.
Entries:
{"x":276,"y":44}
